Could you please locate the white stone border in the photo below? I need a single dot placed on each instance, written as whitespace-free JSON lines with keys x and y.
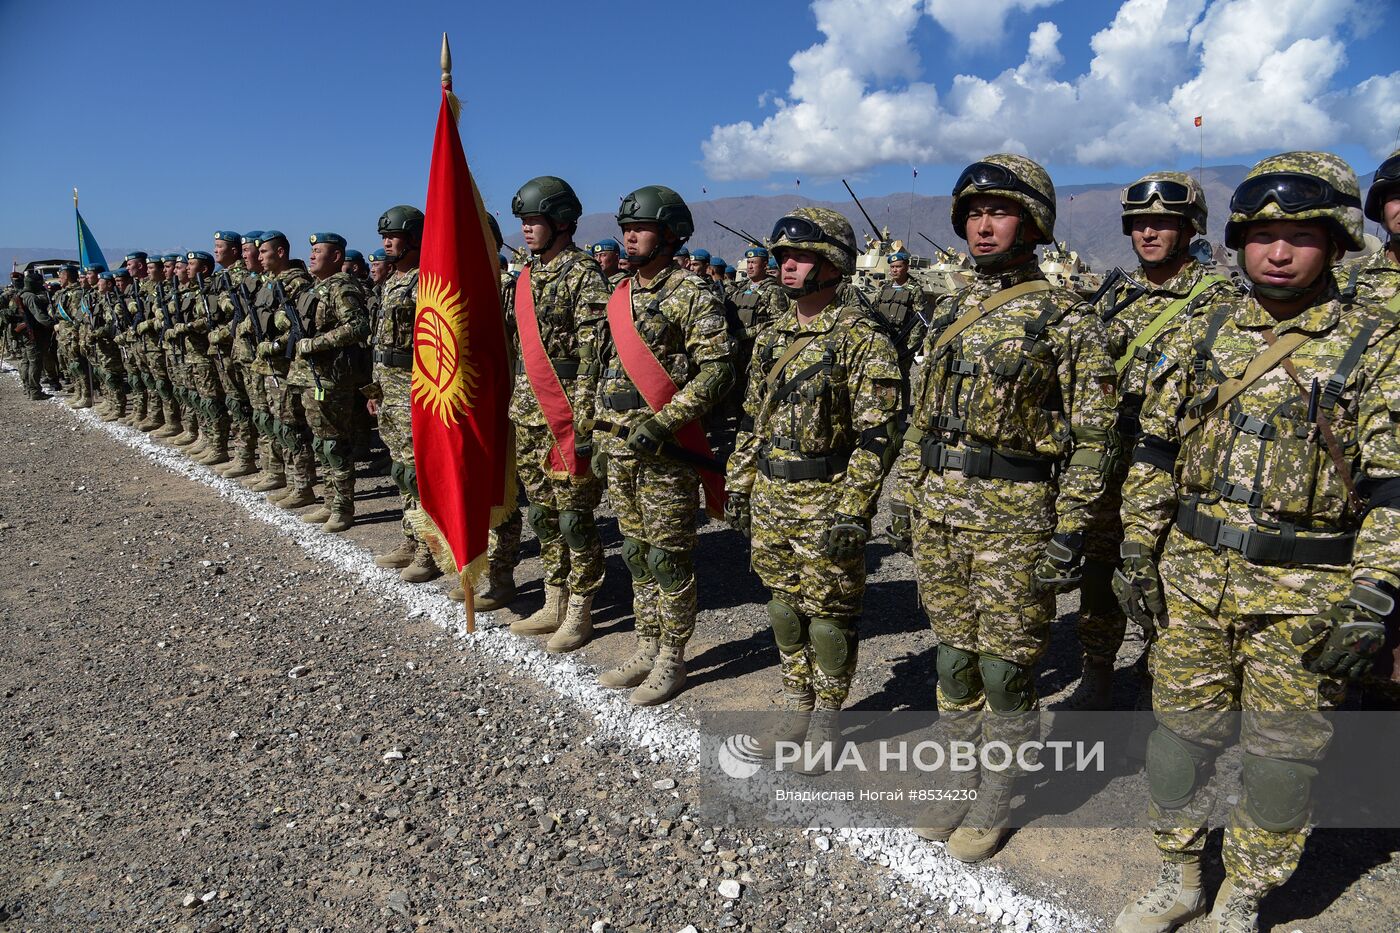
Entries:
{"x":662,"y":732}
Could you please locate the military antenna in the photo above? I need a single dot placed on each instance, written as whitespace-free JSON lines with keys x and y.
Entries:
{"x":873,"y":229}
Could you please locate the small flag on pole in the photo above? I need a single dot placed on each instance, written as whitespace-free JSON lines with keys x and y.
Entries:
{"x":1198,"y":121}
{"x":88,"y":250}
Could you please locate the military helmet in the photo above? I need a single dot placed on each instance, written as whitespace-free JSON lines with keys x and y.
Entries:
{"x":660,"y":205}
{"x":1011,"y":176}
{"x":819,"y":230}
{"x":1384,"y":186}
{"x":405,"y":219}
{"x":1299,"y":186}
{"x":1165,"y":193}
{"x":548,"y":196}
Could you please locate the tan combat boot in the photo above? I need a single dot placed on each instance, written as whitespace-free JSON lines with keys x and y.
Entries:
{"x":981,"y":832}
{"x":1176,"y":899}
{"x":244,"y":463}
{"x":317,"y":516}
{"x":340,"y":520}
{"x":1095,"y":686}
{"x":635,"y":669}
{"x":667,"y":678}
{"x":821,"y":748}
{"x":297,"y":498}
{"x":155,"y":418}
{"x":423,"y":568}
{"x":1234,"y":911}
{"x":790,"y":725}
{"x":577,"y":628}
{"x":271,"y":482}
{"x":549,"y":617}
{"x":198,"y":439}
{"x":399,"y":558}
{"x":340,"y":496}
{"x":174,"y":427}
{"x":941,"y":818}
{"x":500,"y":587}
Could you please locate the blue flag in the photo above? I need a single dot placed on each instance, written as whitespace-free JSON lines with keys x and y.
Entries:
{"x":88,"y":250}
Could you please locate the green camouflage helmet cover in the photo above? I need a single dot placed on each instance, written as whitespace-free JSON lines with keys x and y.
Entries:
{"x":1196,"y":211}
{"x":547,"y":196}
{"x":657,"y":204}
{"x":1346,"y":222}
{"x":833,"y":225}
{"x":1032,"y":175}
{"x":1383,"y":190}
{"x":405,"y":219}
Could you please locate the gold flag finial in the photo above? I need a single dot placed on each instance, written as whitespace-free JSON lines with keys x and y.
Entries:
{"x":75,"y":197}
{"x":452,"y":102}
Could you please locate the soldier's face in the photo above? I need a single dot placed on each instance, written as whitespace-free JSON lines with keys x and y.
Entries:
{"x":251,"y":259}
{"x":755,"y":267}
{"x":157,"y":272}
{"x":378,"y":271}
{"x":271,"y":257}
{"x":325,"y":260}
{"x":1156,"y":235}
{"x":992,"y":224}
{"x":104,"y":286}
{"x":796,"y":266}
{"x":137,"y":268}
{"x":396,"y":245}
{"x":1287,"y":253}
{"x":1391,"y":212}
{"x":537,"y":231}
{"x":225,"y":253}
{"x":91,"y":279}
{"x":698,"y":265}
{"x":608,"y":261}
{"x":899,"y":271}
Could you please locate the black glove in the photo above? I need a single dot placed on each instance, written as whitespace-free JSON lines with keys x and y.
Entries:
{"x":647,"y":437}
{"x":847,"y":536}
{"x":1139,"y":588}
{"x":738,"y":513}
{"x":1062,"y":566}
{"x":583,"y":449}
{"x":1354,"y":630}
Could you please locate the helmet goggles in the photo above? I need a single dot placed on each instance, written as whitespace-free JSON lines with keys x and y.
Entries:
{"x":988,"y":176}
{"x":1294,"y":192}
{"x":802,"y":230}
{"x":1169,"y":193}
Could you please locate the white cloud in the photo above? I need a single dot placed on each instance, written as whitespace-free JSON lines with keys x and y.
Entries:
{"x":977,"y":22}
{"x":1261,"y":72}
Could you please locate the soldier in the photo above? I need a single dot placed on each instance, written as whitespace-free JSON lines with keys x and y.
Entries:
{"x":389,"y":393}
{"x":138,"y":378}
{"x":109,"y":352}
{"x":1258,"y":521}
{"x":272,"y":475}
{"x":1162,"y":213}
{"x":201,"y":320}
{"x":140,"y":300}
{"x":69,"y":335}
{"x":822,"y":403}
{"x":177,"y":308}
{"x":356,"y":266}
{"x":232,"y":303}
{"x":903,"y":305}
{"x":284,"y":282}
{"x":607,"y":253}
{"x":560,"y":301}
{"x":682,"y":259}
{"x":1377,"y":277}
{"x":30,"y":317}
{"x":754,"y":306}
{"x":654,"y":438}
{"x":1005,"y":449}
{"x":699,"y":263}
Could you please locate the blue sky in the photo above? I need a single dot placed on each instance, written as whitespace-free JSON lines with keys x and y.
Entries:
{"x":177,"y":119}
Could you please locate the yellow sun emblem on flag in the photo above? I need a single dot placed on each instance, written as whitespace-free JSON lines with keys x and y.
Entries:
{"x":444,"y":381}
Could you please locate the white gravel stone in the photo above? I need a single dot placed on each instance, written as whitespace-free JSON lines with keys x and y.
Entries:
{"x":731,"y":889}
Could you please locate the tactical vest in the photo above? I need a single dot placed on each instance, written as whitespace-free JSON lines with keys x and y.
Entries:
{"x":393,"y":338}
{"x":551,"y":319}
{"x":663,"y":336}
{"x":746,"y":306}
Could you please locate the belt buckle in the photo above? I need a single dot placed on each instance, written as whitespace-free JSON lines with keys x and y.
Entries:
{"x":950,"y":459}
{"x":1231,"y":537}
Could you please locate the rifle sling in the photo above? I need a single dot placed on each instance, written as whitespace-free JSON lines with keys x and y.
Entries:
{"x":984,"y":308}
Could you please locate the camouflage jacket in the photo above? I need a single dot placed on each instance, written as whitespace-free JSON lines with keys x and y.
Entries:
{"x":239,"y":337}
{"x":142,"y":304}
{"x":756,"y":305}
{"x":845,"y":407}
{"x":1260,"y":464}
{"x":272,"y":352}
{"x":393,"y":335}
{"x":571,"y":299}
{"x":1377,"y":278}
{"x":1048,"y":400}
{"x":905,"y":311}
{"x":336,"y":316}
{"x":683,"y":325}
{"x":616,"y":279}
{"x":195,"y":317}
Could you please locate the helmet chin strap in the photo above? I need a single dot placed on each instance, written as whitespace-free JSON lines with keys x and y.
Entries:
{"x":1287,"y":293}
{"x":1020,"y":249}
{"x":810,"y":285}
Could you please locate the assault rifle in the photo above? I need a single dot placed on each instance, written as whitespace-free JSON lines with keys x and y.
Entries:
{"x":873,"y":229}
{"x":208,"y":318}
{"x":296,"y":330}
{"x":173,"y":315}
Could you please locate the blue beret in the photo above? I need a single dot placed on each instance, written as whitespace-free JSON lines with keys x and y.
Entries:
{"x":267,"y":236}
{"x":174,"y":257}
{"x":105,"y":275}
{"x":138,"y":254}
{"x":334,"y":239}
{"x":354,"y":254}
{"x":122,"y":272}
{"x":252,"y":236}
{"x":607,"y":245}
{"x":718,"y":263}
{"x":898,"y":255}
{"x":96,"y":267}
{"x":755,"y":252}
{"x":200,"y":254}
{"x":378,"y":255}
{"x":157,"y":260}
{"x":701,"y":254}
{"x":228,"y":236}
{"x":682,"y":253}
{"x":772,"y":262}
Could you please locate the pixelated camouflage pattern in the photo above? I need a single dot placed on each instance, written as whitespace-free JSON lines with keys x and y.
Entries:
{"x":1376,"y":277}
{"x":1068,"y":368}
{"x":581,"y":571}
{"x":503,"y":545}
{"x":271,"y":359}
{"x":1028,"y":171}
{"x":1332,"y":169}
{"x":1196,"y":213}
{"x":833,"y":224}
{"x":335,"y":313}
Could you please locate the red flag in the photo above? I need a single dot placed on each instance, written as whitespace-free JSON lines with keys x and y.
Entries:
{"x":461,"y":440}
{"x":1198,"y":121}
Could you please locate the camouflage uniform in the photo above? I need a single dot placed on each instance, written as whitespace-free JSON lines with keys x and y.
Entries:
{"x":904,"y":309}
{"x":286,"y":422}
{"x":257,"y":372}
{"x":756,"y":305}
{"x":1376,"y":278}
{"x":30,"y":317}
{"x":204,"y":361}
{"x":237,"y":351}
{"x":143,"y":303}
{"x":108,"y":350}
{"x":393,"y":383}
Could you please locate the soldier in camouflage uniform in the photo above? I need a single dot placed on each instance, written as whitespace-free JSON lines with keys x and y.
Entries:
{"x":652,"y":492}
{"x":570,"y":296}
{"x":232,"y":302}
{"x":147,"y":300}
{"x":133,"y":344}
{"x":202,"y":318}
{"x":180,"y":295}
{"x":109,"y":351}
{"x":132,"y":285}
{"x":30,"y":317}
{"x":1377,"y":277}
{"x":607,"y":252}
{"x":699,"y":263}
{"x":903,"y":305}
{"x":1007,"y":446}
{"x":757,"y":304}
{"x":813,"y":448}
{"x":247,"y":334}
{"x":1260,"y":534}
{"x":1162,"y":213}
{"x":68,"y":334}
{"x":389,"y":393}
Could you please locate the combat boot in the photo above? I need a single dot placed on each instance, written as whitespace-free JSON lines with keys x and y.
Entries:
{"x":155,"y":419}
{"x":423,"y":568}
{"x":340,"y":497}
{"x":317,"y":516}
{"x":940,"y":819}
{"x":298,"y":497}
{"x":341,"y":519}
{"x":549,"y":617}
{"x":1234,"y":911}
{"x":399,"y":557}
{"x":577,"y":628}
{"x":198,"y":439}
{"x":1176,"y":899}
{"x":983,"y":829}
{"x":500,"y":587}
{"x":821,"y":748}
{"x":667,"y":678}
{"x":271,"y":481}
{"x":634,"y":670}
{"x":790,"y":725}
{"x":174,"y":426}
{"x":1095,"y":686}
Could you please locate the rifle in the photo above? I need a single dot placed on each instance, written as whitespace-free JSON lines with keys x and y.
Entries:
{"x":140,"y":317}
{"x":208,"y":318}
{"x":1133,"y":293}
{"x":873,"y":229}
{"x":241,"y":309}
{"x":296,"y":330}
{"x":947,"y":253}
{"x":739,"y":233}
{"x":172,"y":315}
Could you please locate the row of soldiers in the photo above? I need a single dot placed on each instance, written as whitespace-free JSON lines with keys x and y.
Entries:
{"x":1221,"y":467}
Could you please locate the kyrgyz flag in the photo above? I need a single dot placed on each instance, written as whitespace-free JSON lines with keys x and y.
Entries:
{"x":461,"y":441}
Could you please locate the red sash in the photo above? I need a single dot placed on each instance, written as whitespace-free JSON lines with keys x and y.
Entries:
{"x":549,"y":391}
{"x":656,"y":387}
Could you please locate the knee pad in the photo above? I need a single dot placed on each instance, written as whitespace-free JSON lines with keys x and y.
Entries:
{"x":958,"y":674}
{"x":834,"y":645}
{"x":1277,"y":792}
{"x":1096,"y":590}
{"x":410,"y":480}
{"x":1010,"y":687}
{"x":335,"y":452}
{"x":545,"y":522}
{"x":578,"y":529}
{"x":396,"y":474}
{"x":673,"y":569}
{"x":634,"y":555}
{"x":1174,"y":767}
{"x":788,"y":630}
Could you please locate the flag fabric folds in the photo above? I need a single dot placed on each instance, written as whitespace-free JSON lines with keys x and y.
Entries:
{"x":461,"y":388}
{"x":88,"y":250}
{"x":1198,"y":121}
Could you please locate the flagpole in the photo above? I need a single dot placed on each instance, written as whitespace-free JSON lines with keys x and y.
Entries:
{"x":1201,"y":165}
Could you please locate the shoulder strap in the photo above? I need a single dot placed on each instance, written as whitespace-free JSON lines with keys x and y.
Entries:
{"x":775,"y":372}
{"x":1163,"y":318}
{"x":1230,"y":389}
{"x":983,"y":308}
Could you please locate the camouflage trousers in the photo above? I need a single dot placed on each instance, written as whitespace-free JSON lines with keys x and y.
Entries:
{"x":655,"y":500}
{"x":31,"y":366}
{"x":158,"y":381}
{"x":206,"y":398}
{"x":292,"y":432}
{"x":1101,"y":620}
{"x":790,"y":522}
{"x":260,"y":399}
{"x":396,"y":430}
{"x":1213,"y":656}
{"x":243,"y":435}
{"x":331,"y":419}
{"x":503,"y":546}
{"x":577,"y":564}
